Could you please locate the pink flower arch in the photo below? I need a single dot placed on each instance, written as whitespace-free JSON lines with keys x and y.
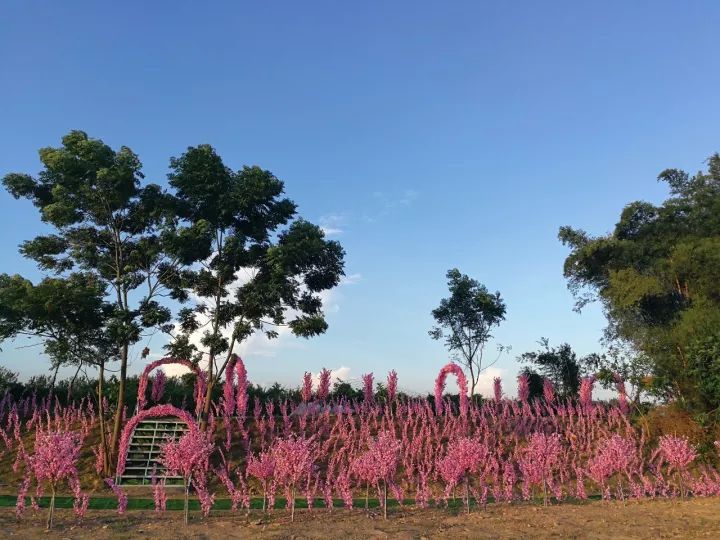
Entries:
{"x":153,"y":412}
{"x":462,"y":387}
{"x":142,"y":386}
{"x":586,"y":390}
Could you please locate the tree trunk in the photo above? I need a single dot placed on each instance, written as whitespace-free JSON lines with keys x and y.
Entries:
{"x":292,"y":506}
{"x":117,"y":427}
{"x":101,"y":416}
{"x":52,"y":508}
{"x":385,"y":499}
{"x":185,"y":508}
{"x":467,"y":495}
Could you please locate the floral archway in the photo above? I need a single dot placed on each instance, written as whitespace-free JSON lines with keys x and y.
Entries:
{"x":142,"y":386}
{"x":153,"y":412}
{"x":456,"y":370}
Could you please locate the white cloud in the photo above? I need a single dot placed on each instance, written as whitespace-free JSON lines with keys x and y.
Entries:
{"x":331,"y":224}
{"x":342,"y":373}
{"x":484,"y":384}
{"x":352,"y":279}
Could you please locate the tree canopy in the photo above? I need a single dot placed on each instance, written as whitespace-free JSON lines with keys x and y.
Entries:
{"x":657,"y":275}
{"x":465,"y":320}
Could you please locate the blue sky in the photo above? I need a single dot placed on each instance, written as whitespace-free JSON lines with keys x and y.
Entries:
{"x":427,"y":135}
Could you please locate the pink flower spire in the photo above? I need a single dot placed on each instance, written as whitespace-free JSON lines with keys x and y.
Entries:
{"x":200,"y":389}
{"x":307,"y":387}
{"x":368,"y":384}
{"x":462,"y":387}
{"x":523,"y":387}
{"x":232,"y":401}
{"x":229,"y":403}
{"x":392,"y":381}
{"x":622,"y":395}
{"x":158,"y":386}
{"x":324,"y":385}
{"x":242,"y":387}
{"x":586,"y":390}
{"x":497,"y":389}
{"x":548,"y":391}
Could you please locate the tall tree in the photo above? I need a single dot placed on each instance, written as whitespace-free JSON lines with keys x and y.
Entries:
{"x":465,"y":319}
{"x":657,"y":275}
{"x":256,"y":266}
{"x":106,"y":225}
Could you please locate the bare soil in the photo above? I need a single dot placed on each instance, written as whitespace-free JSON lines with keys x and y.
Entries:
{"x":697,"y":518}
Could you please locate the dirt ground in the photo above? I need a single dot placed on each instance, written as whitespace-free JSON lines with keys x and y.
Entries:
{"x":699,"y":518}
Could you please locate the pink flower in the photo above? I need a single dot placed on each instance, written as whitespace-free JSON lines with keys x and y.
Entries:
{"x":158,"y":386}
{"x":677,"y":451}
{"x":142,"y":386}
{"x":392,"y":380}
{"x":307,"y":387}
{"x":497,"y":389}
{"x":586,"y":390}
{"x":523,"y":387}
{"x":548,"y":391}
{"x":368,"y":384}
{"x":324,"y":386}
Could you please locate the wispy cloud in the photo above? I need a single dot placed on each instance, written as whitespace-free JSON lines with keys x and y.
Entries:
{"x":385,"y":203}
{"x":332,"y":224}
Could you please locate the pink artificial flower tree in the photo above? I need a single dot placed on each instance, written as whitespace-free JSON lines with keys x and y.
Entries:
{"x":54,"y":461}
{"x":614,"y":454}
{"x":263,"y":468}
{"x":294,"y":458}
{"x":464,"y":457}
{"x":379,"y":464}
{"x":539,"y":460}
{"x":189,"y":457}
{"x":679,"y":453}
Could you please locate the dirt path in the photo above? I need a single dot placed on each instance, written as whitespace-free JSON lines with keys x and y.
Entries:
{"x":699,"y":518}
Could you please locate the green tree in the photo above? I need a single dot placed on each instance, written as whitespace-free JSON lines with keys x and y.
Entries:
{"x":255,"y":265}
{"x":105,"y":226}
{"x":560,"y":365}
{"x":657,"y":275}
{"x":465,"y":320}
